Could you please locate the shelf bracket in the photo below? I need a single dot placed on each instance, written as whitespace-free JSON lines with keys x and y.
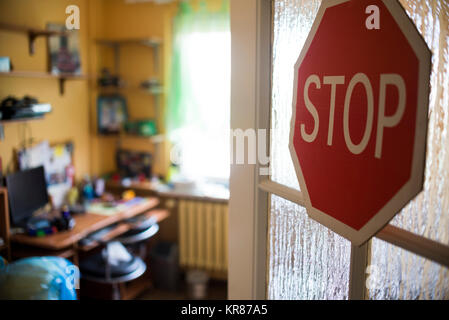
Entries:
{"x":61,"y":86}
{"x":31,"y":38}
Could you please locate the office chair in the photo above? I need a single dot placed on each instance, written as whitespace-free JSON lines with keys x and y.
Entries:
{"x":143,"y":229}
{"x":115,"y":264}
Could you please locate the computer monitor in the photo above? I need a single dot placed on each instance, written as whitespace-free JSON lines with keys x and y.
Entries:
{"x":27,"y":192}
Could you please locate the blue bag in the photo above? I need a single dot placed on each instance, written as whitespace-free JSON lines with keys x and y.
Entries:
{"x":39,"y":278}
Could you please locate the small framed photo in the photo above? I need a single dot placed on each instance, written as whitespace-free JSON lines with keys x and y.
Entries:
{"x":64,"y":51}
{"x":112,"y":114}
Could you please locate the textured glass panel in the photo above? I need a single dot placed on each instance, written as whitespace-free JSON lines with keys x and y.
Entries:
{"x":295,"y":269}
{"x":400,"y":274}
{"x":428,"y":214}
{"x":307,"y":261}
{"x":292,"y":22}
{"x":405,"y":275}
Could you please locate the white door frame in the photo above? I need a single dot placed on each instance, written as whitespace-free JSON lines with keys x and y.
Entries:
{"x":249,"y":199}
{"x":250,"y":108}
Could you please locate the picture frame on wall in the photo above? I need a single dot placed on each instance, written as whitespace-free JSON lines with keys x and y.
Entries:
{"x":64,"y":50}
{"x":112,"y":113}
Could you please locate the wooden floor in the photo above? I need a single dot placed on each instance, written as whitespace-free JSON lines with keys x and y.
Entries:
{"x":217,"y":290}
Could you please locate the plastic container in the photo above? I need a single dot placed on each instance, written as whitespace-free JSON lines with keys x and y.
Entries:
{"x":164,"y":266}
{"x":197,"y":281}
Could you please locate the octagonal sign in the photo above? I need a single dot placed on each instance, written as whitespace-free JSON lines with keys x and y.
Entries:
{"x":359,"y":121}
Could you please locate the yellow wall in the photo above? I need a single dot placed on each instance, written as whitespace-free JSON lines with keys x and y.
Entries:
{"x":132,"y":21}
{"x":126,"y":21}
{"x":70,"y":117}
{"x":74,"y":114}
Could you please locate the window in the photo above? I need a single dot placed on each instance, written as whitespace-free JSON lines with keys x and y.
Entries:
{"x":198,"y":117}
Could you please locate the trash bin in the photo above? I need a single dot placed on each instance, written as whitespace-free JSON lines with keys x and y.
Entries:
{"x":197,"y":284}
{"x":164,"y":266}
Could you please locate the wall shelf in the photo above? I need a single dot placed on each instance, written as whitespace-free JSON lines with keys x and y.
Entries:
{"x":158,"y":138}
{"x":32,"y":33}
{"x":153,"y":43}
{"x":44,"y":75}
{"x":154,"y":91}
{"x":20,"y":120}
{"x":148,"y":42}
{"x":153,"y":86}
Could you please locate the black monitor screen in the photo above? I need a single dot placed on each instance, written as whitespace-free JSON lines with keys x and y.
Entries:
{"x":27,"y":192}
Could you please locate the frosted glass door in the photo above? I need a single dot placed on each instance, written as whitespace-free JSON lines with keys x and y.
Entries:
{"x":305,"y":259}
{"x":400,"y":273}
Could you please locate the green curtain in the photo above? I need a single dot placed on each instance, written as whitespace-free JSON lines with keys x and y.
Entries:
{"x":181,"y":106}
{"x":198,"y":104}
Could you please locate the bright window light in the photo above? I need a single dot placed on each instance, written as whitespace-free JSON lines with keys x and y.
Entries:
{"x":203,"y":140}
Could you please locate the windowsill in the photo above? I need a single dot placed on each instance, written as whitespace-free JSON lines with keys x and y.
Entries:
{"x":204,"y":191}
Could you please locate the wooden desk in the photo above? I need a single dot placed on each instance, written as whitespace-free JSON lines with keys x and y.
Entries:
{"x":169,"y":200}
{"x":5,"y":249}
{"x":66,"y":244}
{"x":86,"y":224}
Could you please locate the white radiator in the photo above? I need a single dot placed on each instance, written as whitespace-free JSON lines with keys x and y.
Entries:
{"x":203,"y":235}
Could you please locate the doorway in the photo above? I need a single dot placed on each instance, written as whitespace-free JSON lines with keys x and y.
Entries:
{"x":276,"y":250}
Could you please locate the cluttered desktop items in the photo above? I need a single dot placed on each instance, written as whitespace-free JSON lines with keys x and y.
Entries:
{"x":32,"y":212}
{"x":29,"y":204}
{"x":134,"y":164}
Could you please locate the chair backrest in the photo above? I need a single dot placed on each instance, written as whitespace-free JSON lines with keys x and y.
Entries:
{"x":133,"y":237}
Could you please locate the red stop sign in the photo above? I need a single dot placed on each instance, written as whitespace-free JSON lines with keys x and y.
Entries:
{"x":359,"y":123}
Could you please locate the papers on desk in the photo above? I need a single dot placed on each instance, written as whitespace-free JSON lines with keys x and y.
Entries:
{"x":107,"y":210}
{"x":58,"y":164}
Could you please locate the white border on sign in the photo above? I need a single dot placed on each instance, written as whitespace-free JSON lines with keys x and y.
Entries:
{"x":412,"y":187}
